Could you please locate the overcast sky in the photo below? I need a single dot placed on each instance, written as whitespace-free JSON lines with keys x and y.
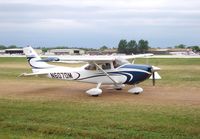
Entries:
{"x":94,"y":23}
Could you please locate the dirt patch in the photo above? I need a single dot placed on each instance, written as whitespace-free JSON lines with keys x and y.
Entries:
{"x":73,"y":91}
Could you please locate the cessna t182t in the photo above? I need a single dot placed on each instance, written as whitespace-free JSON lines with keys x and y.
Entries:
{"x":100,"y":70}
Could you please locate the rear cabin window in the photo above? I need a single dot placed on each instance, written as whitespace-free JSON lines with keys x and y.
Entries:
{"x":91,"y":67}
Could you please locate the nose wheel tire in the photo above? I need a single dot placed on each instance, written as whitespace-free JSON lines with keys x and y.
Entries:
{"x":136,"y":93}
{"x":135,"y":90}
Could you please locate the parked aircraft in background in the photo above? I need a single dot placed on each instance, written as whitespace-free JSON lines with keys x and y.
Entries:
{"x":100,"y":70}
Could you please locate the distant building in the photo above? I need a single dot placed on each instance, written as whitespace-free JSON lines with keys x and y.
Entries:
{"x":104,"y":52}
{"x":156,"y":51}
{"x":19,"y":51}
{"x":109,"y":51}
{"x":172,"y":51}
{"x":2,"y":52}
{"x":66,"y":52}
{"x":94,"y":52}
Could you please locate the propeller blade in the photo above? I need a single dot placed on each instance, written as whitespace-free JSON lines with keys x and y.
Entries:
{"x":154,"y":68}
{"x":153,"y":79}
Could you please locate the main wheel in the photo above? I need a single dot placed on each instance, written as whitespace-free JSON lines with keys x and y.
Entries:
{"x":94,"y":95}
{"x":118,"y":88}
{"x":136,"y":93}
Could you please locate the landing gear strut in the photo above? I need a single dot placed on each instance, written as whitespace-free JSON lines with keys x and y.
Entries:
{"x":135,"y":90}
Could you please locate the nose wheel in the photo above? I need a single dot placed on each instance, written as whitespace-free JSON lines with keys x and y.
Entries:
{"x":135,"y":90}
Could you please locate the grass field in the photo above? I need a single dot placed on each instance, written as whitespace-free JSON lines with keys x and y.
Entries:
{"x":43,"y":108}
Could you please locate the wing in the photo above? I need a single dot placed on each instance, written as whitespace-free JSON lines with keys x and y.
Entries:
{"x":89,"y":58}
{"x":136,"y":56}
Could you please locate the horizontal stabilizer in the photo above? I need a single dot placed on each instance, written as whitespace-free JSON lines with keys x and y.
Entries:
{"x":33,"y":74}
{"x":49,"y":59}
{"x":70,"y":62}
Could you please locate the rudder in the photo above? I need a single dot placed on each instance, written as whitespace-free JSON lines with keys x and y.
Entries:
{"x":34,"y":60}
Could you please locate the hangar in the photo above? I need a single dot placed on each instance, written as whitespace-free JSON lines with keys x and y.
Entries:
{"x":14,"y":51}
{"x":18,"y":51}
{"x":66,"y":51}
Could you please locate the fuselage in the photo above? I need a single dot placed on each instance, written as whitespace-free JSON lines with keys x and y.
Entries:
{"x":104,"y":72}
{"x":125,"y":74}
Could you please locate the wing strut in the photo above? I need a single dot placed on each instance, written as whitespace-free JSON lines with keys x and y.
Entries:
{"x":115,"y":82}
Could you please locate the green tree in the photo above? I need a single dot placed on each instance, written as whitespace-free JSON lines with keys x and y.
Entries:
{"x":61,"y":47}
{"x":2,"y":47}
{"x":103,"y":48}
{"x":131,"y":47}
{"x":122,"y":46}
{"x":12,"y":46}
{"x":143,"y":46}
{"x":180,"y":46}
{"x":195,"y":48}
{"x":44,"y":50}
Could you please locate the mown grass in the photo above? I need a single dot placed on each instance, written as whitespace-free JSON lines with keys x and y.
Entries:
{"x":12,"y":60}
{"x":168,"y":61}
{"x":176,"y":71}
{"x":83,"y":120}
{"x":90,"y":119}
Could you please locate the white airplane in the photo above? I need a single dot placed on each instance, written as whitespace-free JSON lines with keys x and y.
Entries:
{"x":100,"y":70}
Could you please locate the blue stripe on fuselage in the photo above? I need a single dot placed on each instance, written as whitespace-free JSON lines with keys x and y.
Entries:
{"x":138,"y":66}
{"x":138,"y":76}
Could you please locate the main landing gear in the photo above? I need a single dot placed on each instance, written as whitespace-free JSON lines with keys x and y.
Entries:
{"x":135,"y":90}
{"x":95,"y":91}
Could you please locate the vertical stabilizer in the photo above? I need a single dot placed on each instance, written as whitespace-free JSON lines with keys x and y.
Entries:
{"x":34,"y":60}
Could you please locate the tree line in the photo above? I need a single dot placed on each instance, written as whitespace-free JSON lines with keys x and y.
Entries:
{"x":133,"y":47}
{"x":7,"y":47}
{"x":182,"y":46}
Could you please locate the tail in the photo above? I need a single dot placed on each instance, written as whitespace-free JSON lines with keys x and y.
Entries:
{"x":34,"y":60}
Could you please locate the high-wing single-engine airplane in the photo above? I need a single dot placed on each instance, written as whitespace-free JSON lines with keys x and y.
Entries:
{"x":100,"y":70}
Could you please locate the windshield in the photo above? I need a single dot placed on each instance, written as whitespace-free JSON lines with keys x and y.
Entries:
{"x":119,"y":61}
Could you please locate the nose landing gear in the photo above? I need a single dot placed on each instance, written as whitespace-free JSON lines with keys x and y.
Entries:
{"x":135,"y":90}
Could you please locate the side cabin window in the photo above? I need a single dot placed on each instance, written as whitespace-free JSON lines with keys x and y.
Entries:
{"x":104,"y":66}
{"x":107,"y":65}
{"x":91,"y":67}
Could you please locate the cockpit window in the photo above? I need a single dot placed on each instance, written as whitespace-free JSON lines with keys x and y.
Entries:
{"x":115,"y":64}
{"x":119,"y":61}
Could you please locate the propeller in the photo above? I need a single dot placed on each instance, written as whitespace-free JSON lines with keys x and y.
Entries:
{"x":153,"y":78}
{"x":153,"y":70}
